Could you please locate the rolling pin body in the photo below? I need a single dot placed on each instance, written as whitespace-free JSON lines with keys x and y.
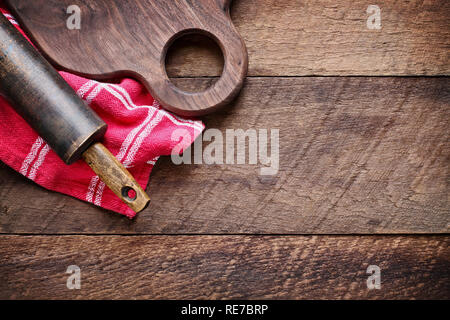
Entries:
{"x":51,"y":107}
{"x":42,"y":97}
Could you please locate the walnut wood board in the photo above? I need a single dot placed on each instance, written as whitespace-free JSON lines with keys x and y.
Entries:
{"x":330,"y":37}
{"x":357,"y":155}
{"x":224,"y":267}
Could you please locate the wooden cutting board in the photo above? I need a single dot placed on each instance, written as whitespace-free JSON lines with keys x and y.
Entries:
{"x":130,"y":38}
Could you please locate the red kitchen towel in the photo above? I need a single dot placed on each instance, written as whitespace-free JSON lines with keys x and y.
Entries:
{"x":139,"y":131}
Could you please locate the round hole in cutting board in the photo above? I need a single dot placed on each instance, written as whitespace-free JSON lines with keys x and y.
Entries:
{"x":194,"y":56}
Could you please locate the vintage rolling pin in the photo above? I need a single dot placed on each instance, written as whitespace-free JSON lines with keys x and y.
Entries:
{"x":51,"y":107}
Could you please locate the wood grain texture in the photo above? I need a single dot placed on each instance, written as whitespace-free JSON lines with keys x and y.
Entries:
{"x":130,"y":38}
{"x":330,"y":37}
{"x":224,"y":267}
{"x":357,"y":155}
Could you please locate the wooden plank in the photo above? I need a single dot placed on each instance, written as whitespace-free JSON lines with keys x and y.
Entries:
{"x":357,"y":155}
{"x":224,"y":267}
{"x":330,"y":37}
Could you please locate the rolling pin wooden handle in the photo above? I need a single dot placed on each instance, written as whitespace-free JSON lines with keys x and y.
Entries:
{"x":116,"y":177}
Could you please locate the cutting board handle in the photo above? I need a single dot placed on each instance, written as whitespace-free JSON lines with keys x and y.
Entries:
{"x":217,"y":95}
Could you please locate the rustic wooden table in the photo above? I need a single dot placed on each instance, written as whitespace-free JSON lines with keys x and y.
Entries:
{"x":364,"y":118}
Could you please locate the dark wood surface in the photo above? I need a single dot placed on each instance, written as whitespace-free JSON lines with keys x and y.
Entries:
{"x":358,"y":155}
{"x":133,"y":40}
{"x":224,"y":267}
{"x":330,"y":37}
